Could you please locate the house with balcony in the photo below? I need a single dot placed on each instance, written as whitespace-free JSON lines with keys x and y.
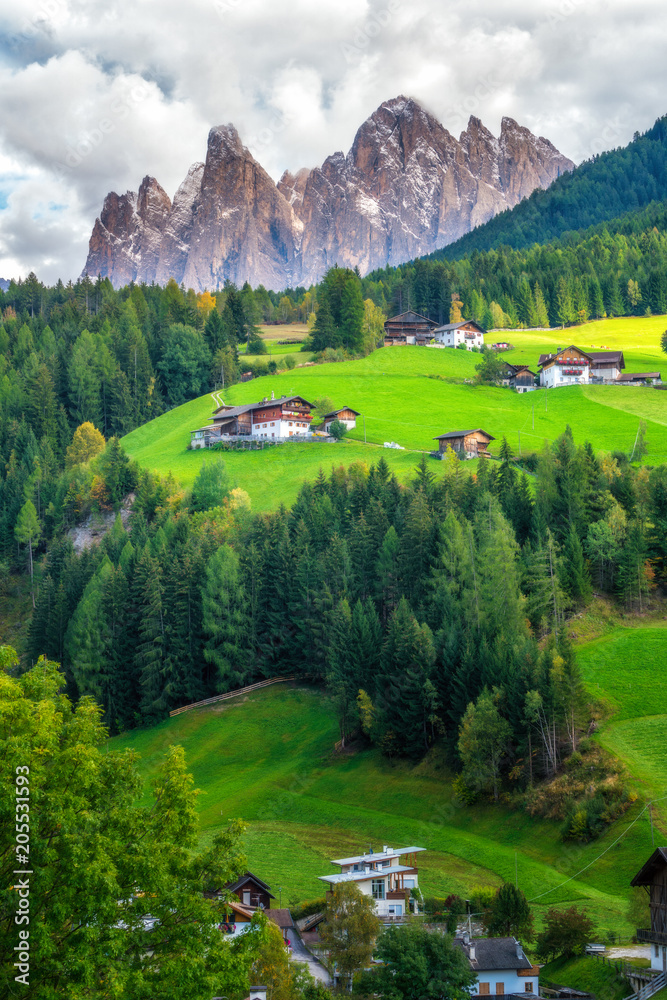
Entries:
{"x":269,"y":419}
{"x":389,"y":876}
{"x":408,"y":328}
{"x":519,"y":377}
{"x":570,"y":366}
{"x":653,"y":878}
{"x":466,"y":332}
{"x":500,"y":965}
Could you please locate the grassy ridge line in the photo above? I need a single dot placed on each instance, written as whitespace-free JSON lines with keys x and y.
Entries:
{"x":267,"y":758}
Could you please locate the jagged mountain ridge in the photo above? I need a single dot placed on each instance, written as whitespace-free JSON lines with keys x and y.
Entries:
{"x":406,"y":188}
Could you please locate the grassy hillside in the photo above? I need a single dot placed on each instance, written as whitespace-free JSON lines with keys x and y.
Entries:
{"x":268,"y":758}
{"x":588,"y":975}
{"x":628,"y":669}
{"x":411,"y":394}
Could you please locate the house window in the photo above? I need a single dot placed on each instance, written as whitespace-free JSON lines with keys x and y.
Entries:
{"x":528,"y":988}
{"x":409,"y":883}
{"x":273,"y":424}
{"x":377,"y":887}
{"x":657,"y":950}
{"x":484,"y":989}
{"x":500,"y":989}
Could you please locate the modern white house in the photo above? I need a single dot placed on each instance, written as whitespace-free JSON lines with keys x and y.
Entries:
{"x":465,"y":332}
{"x":570,"y":366}
{"x":500,"y":965}
{"x":388,"y":876}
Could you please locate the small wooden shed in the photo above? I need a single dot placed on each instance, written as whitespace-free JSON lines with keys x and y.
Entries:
{"x":472,"y":443}
{"x":346,"y":415}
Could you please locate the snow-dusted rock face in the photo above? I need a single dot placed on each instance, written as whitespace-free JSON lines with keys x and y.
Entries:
{"x":406,"y":188}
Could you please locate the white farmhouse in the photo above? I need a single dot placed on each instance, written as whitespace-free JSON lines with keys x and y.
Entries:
{"x":384,"y":876}
{"x":465,"y":332}
{"x":570,"y":366}
{"x":500,"y":965}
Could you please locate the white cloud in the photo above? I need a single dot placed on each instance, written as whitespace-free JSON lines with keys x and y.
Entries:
{"x":98,"y":94}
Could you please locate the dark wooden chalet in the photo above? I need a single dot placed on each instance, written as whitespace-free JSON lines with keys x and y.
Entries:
{"x":519,"y":377}
{"x":653,"y":878}
{"x":408,"y":328}
{"x":472,"y":443}
{"x":251,"y":891}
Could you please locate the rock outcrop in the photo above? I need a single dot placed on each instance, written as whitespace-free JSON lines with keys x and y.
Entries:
{"x":406,"y":188}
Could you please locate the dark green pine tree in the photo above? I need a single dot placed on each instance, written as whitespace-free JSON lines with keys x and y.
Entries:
{"x":39,"y":623}
{"x":352,"y":314}
{"x":575,"y":577}
{"x":151,"y":650}
{"x":325,"y":334}
{"x":366,"y":644}
{"x":634,"y":576}
{"x":362,"y":555}
{"x":387,"y":574}
{"x":405,"y":695}
{"x":225,"y":619}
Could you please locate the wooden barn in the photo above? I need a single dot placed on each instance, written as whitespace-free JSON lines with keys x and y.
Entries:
{"x":346,"y":415}
{"x":471,"y":443}
{"x":408,"y":328}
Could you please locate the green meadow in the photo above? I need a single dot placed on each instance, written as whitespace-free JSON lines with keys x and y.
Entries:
{"x":627,"y":669}
{"x":268,"y":758}
{"x":411,"y":394}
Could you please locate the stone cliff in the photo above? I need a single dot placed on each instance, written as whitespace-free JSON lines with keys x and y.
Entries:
{"x":406,"y":188}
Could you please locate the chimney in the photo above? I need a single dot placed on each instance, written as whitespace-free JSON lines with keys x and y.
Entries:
{"x":257,"y":993}
{"x":519,"y":950}
{"x":384,"y":848}
{"x":471,"y":953}
{"x":273,"y":395}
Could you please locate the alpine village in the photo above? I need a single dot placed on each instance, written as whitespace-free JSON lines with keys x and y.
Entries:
{"x":333,"y":507}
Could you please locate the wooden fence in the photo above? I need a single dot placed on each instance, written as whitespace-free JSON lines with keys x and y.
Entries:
{"x":231,"y":694}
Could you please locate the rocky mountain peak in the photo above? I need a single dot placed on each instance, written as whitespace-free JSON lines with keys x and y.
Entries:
{"x":405,"y":188}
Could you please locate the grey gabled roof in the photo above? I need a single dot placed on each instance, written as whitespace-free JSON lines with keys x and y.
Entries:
{"x":459,"y":434}
{"x":409,"y":317}
{"x":335,"y":413}
{"x":235,"y":411}
{"x":610,"y":356}
{"x":248,"y":876}
{"x":494,"y":953}
{"x":446,"y":327}
{"x":546,"y":358}
{"x":633,"y":376}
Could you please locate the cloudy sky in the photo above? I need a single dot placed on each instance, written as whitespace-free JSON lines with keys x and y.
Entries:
{"x":94,"y":95}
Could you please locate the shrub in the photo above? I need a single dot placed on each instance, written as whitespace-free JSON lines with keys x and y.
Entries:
{"x":338,"y":430}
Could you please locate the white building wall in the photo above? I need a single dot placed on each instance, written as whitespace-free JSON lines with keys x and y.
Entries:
{"x":281,"y":428}
{"x":552,"y":377}
{"x":659,"y":957}
{"x":512,"y":983}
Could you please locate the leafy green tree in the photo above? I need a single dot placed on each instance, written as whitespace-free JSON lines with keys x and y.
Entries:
{"x":338,"y":430}
{"x":491,"y":369}
{"x":418,"y":963}
{"x":185,"y":364}
{"x":484,"y":738}
{"x":565,"y":932}
{"x":211,"y":486}
{"x":28,"y":532}
{"x":127,"y":917}
{"x":509,"y":915}
{"x":349,"y":930}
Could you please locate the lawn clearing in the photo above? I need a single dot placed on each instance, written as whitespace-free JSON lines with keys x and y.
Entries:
{"x":628,"y":669}
{"x":268,"y":758}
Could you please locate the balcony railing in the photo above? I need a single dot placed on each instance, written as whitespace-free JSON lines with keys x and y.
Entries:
{"x":652,"y":937}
